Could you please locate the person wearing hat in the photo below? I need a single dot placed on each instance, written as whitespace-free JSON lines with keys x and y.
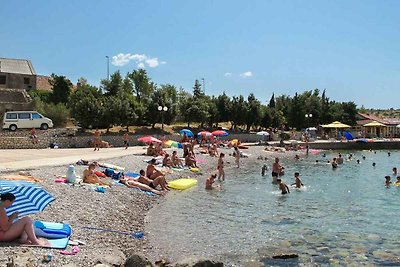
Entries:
{"x":298,"y":181}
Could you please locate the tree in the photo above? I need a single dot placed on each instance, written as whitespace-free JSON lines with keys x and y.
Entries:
{"x":253,"y":112}
{"x":113,"y":86}
{"x":142,"y":86}
{"x":238,"y":111}
{"x":164,"y":96}
{"x":223,"y":108}
{"x":61,"y":87}
{"x":296,"y":113}
{"x":197,"y":91}
{"x":272,"y":101}
{"x":86,"y":106}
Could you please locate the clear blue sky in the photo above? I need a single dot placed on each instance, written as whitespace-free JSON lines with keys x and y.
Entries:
{"x":351,"y":48}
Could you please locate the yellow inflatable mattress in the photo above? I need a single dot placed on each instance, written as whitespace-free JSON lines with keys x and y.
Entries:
{"x":182,"y":184}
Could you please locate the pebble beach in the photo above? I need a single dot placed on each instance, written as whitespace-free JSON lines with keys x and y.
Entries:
{"x":119,"y":209}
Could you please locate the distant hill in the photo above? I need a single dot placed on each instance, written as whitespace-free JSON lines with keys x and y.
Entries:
{"x":383,"y":113}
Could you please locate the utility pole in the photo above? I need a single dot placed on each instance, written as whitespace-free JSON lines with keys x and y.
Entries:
{"x":108,"y":68}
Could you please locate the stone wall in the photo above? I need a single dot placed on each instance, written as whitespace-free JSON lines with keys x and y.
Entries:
{"x":69,"y":138}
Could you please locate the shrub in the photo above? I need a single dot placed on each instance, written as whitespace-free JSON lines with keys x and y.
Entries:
{"x":58,"y":113}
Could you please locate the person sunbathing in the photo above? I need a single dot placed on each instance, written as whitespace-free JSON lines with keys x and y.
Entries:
{"x":167,"y":161}
{"x":131,"y":183}
{"x":159,"y":181}
{"x":159,"y":150}
{"x":190,"y":160}
{"x":176,"y":161}
{"x":151,"y":150}
{"x":151,"y":171}
{"x":90,"y":177}
{"x":22,"y":228}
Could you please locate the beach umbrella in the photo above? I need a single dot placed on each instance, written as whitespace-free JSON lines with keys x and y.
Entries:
{"x":149,"y":139}
{"x":311,"y":129}
{"x":204,"y":133}
{"x":263,"y":133}
{"x":28,"y":200}
{"x":374,"y":124}
{"x":336,"y":124}
{"x":7,"y":184}
{"x":220,"y":133}
{"x":172,"y":143}
{"x":188,"y":132}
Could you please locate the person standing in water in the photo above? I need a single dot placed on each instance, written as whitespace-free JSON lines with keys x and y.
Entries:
{"x":220,"y":167}
{"x":298,"y":181}
{"x":277,"y":170}
{"x":283,"y":187}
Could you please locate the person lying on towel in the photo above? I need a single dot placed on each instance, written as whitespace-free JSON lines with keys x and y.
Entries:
{"x":158,"y":181}
{"x":135,"y":184}
{"x":90,"y":177}
{"x":21,"y":229}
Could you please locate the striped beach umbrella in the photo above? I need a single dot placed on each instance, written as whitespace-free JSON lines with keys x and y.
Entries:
{"x":220,"y":133}
{"x":7,"y":184}
{"x":28,"y":200}
{"x":149,"y":139}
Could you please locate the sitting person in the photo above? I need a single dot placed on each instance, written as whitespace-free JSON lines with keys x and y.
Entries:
{"x":90,"y":177}
{"x":22,"y":228}
{"x":210,"y":181}
{"x":167,"y":161}
{"x":135,"y":184}
{"x":190,"y":160}
{"x":160,"y":180}
{"x":151,"y":150}
{"x":176,"y":161}
{"x":151,"y":171}
{"x":159,"y":150}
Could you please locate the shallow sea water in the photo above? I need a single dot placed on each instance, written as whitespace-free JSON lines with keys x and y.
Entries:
{"x":343,"y":216}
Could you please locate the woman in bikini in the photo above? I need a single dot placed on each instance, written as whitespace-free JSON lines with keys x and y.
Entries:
{"x":22,"y":228}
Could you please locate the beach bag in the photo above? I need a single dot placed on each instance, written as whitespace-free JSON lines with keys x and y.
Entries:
{"x":109,"y":172}
{"x":71,"y":175}
{"x":117,"y":175}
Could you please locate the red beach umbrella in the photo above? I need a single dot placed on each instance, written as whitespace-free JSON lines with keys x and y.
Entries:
{"x":149,"y":139}
{"x":220,"y":133}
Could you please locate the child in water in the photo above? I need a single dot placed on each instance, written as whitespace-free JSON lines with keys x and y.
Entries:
{"x":387,"y":180}
{"x":283,"y":187}
{"x":264,"y":169}
{"x":298,"y":181}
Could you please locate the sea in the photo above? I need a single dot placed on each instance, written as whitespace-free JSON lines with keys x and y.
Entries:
{"x":342,"y":216}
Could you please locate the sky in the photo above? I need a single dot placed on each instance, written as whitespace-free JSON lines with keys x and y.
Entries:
{"x":350,"y":48}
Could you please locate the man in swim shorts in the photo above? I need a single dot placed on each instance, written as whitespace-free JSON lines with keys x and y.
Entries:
{"x":276,"y":170}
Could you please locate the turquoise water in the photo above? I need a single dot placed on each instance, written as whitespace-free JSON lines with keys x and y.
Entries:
{"x":343,"y":216}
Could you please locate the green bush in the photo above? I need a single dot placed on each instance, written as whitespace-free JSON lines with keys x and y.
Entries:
{"x":59,"y":113}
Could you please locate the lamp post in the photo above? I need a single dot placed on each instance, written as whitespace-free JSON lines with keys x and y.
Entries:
{"x":308,"y":116}
{"x":108,"y":68}
{"x":204,"y":86}
{"x":162,"y":110}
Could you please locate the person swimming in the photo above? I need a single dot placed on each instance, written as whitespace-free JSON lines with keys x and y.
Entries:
{"x":387,"y":180}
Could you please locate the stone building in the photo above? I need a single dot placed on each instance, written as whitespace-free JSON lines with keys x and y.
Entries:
{"x":17,"y":76}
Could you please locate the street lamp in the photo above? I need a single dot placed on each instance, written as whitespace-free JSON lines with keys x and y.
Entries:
{"x":108,"y":68}
{"x":308,"y":116}
{"x":162,"y":110}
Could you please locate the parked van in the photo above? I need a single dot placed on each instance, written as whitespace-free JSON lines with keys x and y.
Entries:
{"x":25,"y":119}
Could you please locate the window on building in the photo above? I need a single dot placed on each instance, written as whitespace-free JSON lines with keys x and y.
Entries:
{"x":2,"y":79}
{"x":27,"y":81}
{"x":24,"y":116}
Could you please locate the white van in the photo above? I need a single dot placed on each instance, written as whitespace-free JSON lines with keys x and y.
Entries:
{"x":25,"y":119}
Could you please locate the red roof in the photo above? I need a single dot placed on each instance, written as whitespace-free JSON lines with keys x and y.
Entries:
{"x":369,"y":118}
